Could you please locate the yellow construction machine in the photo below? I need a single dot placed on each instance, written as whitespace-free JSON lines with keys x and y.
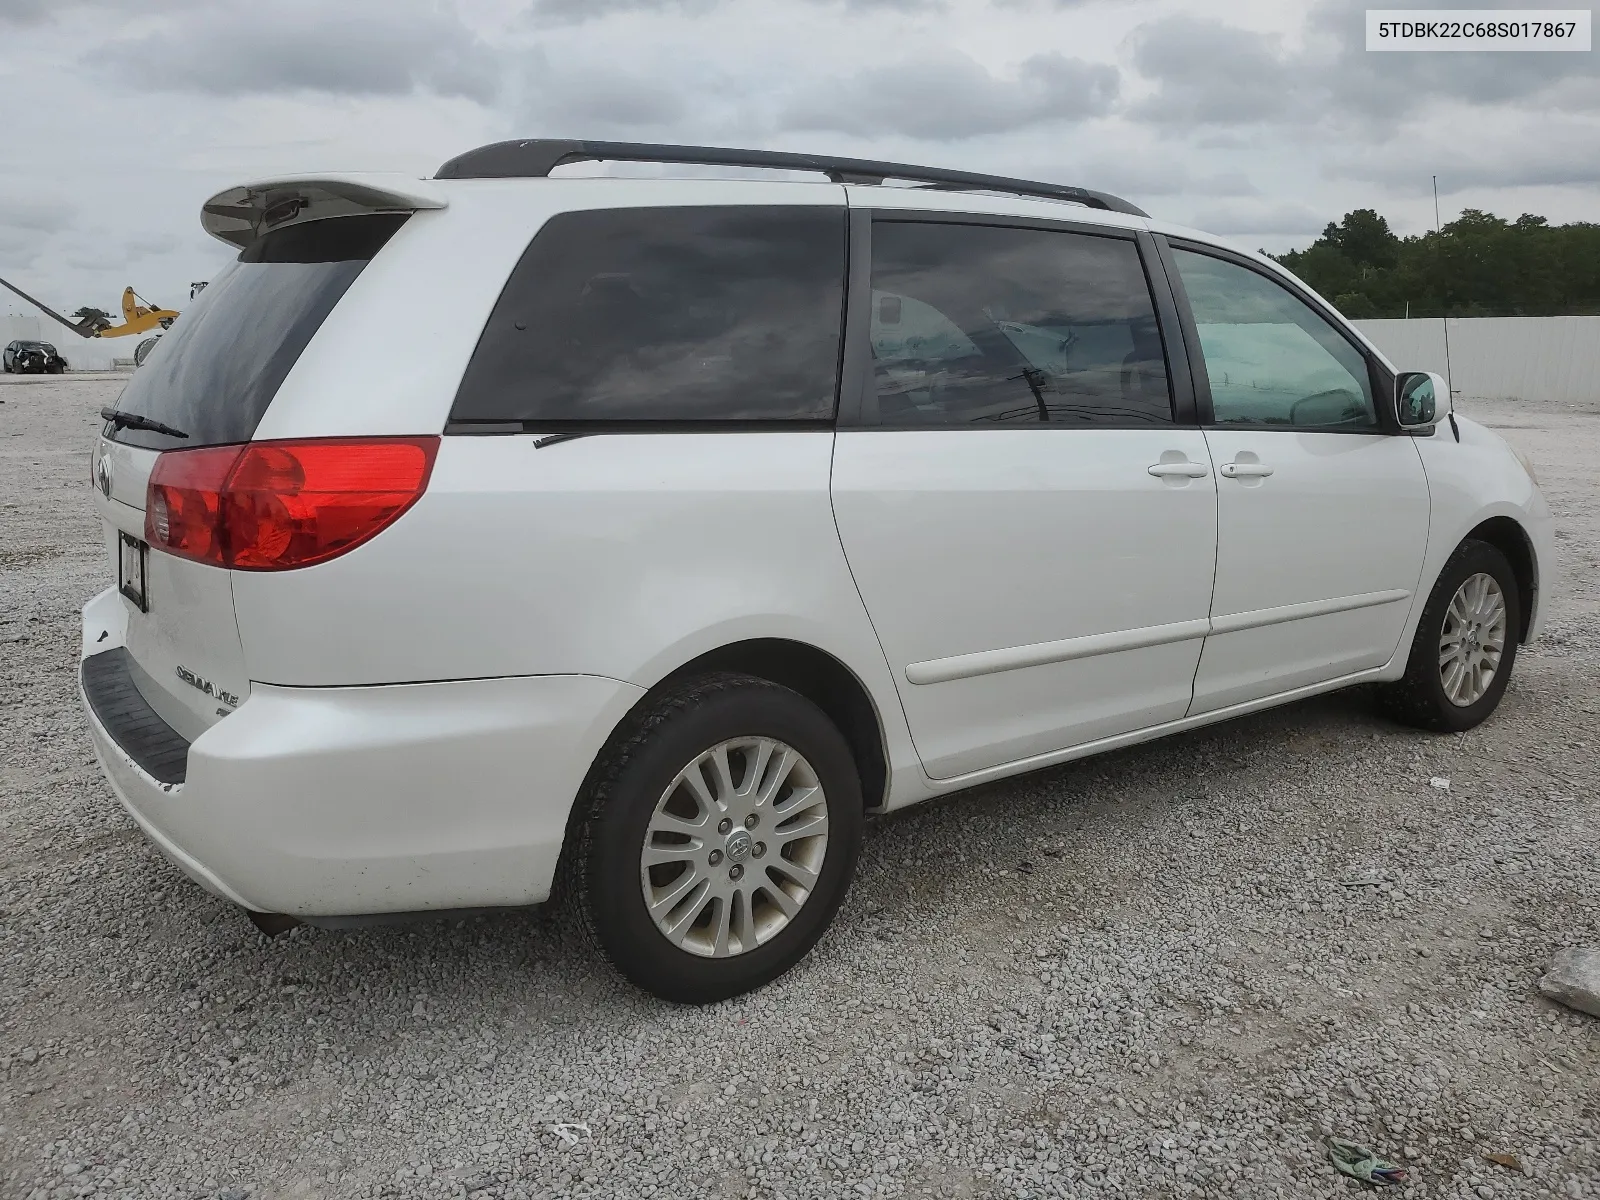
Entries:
{"x":138,"y":316}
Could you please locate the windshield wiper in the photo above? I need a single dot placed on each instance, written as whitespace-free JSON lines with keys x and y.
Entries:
{"x":135,"y":421}
{"x":550,"y":439}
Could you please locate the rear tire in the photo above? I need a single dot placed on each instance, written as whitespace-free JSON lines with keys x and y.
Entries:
{"x":761,"y":849}
{"x":1465,"y":646}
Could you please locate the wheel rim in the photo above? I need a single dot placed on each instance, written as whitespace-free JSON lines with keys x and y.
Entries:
{"x":1473,"y":639}
{"x":734,"y":847}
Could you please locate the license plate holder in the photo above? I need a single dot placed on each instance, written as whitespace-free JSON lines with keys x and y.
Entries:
{"x":131,"y":557}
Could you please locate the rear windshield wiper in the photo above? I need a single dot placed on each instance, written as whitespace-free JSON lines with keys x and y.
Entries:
{"x":135,"y":421}
{"x":550,"y":439}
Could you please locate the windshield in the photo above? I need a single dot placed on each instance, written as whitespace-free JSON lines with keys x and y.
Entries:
{"x":215,"y":374}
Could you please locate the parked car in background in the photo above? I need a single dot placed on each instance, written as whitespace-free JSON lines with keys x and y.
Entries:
{"x":32,"y":358}
{"x":712,"y":515}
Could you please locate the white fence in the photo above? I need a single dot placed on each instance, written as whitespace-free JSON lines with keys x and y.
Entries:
{"x":1500,"y":358}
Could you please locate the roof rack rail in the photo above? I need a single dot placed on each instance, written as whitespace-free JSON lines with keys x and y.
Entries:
{"x":537,"y":157}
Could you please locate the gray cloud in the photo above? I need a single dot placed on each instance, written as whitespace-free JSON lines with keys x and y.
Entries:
{"x":36,"y":12}
{"x":1256,"y":217}
{"x":1156,"y":177}
{"x":26,"y":12}
{"x":24,"y":232}
{"x":19,"y":249}
{"x":44,"y":12}
{"x":1562,"y":156}
{"x":1393,"y":86}
{"x":1142,"y":170}
{"x":1210,"y":72}
{"x":577,"y":102}
{"x":36,"y":214}
{"x":1246,"y":132}
{"x":152,"y":246}
{"x":575,"y":12}
{"x":951,"y":96}
{"x":355,"y":48}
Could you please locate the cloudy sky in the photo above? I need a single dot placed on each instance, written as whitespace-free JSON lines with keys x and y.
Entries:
{"x":1261,"y":119}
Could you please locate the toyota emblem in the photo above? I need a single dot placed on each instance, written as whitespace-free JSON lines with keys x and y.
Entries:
{"x":102,"y":473}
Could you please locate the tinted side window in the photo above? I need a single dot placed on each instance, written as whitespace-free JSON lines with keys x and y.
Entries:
{"x":666,"y":314}
{"x":215,"y":373}
{"x":982,"y":325}
{"x":1271,"y":358}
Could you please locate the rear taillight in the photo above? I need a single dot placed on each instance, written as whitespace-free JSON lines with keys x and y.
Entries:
{"x":271,"y":506}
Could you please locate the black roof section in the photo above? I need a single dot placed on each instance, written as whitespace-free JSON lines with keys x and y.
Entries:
{"x":537,"y":157}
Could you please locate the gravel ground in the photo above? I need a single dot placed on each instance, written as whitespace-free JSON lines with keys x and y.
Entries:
{"x":1167,"y":971}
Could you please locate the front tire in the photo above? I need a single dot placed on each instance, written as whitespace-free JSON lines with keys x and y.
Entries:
{"x":720,"y":840}
{"x":1465,"y":646}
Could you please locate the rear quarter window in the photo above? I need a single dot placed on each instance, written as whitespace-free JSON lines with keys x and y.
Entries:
{"x":216,"y":372}
{"x":666,"y":315}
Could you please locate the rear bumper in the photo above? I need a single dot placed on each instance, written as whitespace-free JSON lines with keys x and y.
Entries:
{"x":353,"y":801}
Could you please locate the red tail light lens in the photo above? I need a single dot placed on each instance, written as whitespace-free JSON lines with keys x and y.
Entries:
{"x":272,"y":506}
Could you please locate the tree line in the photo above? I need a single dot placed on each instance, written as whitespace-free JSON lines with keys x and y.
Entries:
{"x":1478,"y":265}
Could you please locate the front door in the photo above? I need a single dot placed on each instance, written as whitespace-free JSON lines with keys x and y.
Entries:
{"x":1030,"y":529}
{"x":1322,"y":511}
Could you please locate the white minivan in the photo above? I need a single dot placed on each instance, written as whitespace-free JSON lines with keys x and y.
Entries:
{"x":504,"y":533}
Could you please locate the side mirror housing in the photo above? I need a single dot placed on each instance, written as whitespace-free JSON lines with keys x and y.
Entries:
{"x":1420,"y":398}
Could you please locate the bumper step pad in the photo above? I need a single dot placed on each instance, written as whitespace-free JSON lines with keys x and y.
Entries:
{"x":155,"y":746}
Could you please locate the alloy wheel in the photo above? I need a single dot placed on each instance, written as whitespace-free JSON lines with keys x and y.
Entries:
{"x":1472,"y":640}
{"x":734,"y":847}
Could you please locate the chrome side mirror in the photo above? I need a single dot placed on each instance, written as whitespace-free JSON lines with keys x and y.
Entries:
{"x":1417,"y":396}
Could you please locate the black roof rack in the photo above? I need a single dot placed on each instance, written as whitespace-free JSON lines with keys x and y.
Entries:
{"x":537,"y":157}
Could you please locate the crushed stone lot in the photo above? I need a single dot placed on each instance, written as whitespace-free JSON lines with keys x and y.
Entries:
{"x":1169,"y":971}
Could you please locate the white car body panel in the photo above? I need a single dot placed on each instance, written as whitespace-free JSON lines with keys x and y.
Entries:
{"x":416,"y":717}
{"x":354,"y":800}
{"x":1033,"y":589}
{"x":1332,"y":539}
{"x":680,"y":543}
{"x":1477,"y":480}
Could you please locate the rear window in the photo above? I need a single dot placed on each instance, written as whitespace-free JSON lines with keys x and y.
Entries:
{"x":215,"y":373}
{"x":665,"y":315}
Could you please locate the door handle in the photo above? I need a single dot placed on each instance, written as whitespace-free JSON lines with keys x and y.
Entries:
{"x":1188,"y":470}
{"x":1245,"y":470}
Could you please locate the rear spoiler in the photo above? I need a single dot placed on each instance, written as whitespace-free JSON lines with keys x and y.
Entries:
{"x":241,"y":214}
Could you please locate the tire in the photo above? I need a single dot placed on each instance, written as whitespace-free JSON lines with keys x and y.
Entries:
{"x":1422,"y":696}
{"x":637,"y":784}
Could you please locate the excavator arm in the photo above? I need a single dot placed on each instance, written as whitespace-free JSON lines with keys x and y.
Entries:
{"x":89,"y":327}
{"x":136,"y":317}
{"x":139,"y":316}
